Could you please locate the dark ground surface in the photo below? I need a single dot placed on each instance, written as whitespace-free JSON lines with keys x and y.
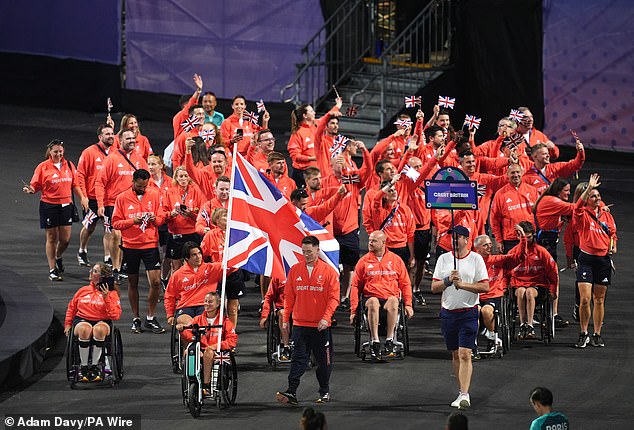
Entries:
{"x":592,"y":386}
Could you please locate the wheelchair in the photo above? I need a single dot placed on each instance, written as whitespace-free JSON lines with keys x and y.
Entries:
{"x":543,"y":313}
{"x":110,"y":363}
{"x":401,"y":333}
{"x":273,"y":340}
{"x":502,"y":341}
{"x":224,"y":375}
{"x":176,"y":349}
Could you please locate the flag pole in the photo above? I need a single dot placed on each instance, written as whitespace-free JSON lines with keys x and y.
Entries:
{"x":454,"y":241}
{"x":226,"y":246}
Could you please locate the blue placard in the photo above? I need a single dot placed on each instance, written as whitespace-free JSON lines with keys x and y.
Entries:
{"x":451,"y":195}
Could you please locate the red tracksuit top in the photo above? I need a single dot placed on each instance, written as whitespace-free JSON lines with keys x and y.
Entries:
{"x":91,"y":161}
{"x":311,"y":298}
{"x":499,"y":266}
{"x":210,"y":339}
{"x":399,"y":231}
{"x":127,"y":206}
{"x":88,"y":303}
{"x":538,"y":269}
{"x":142,"y":145}
{"x":593,"y":239}
{"x":191,"y":197}
{"x":381,"y":279}
{"x":56,"y":184}
{"x":552,"y":171}
{"x":213,"y":245}
{"x":274,"y":296}
{"x":510,"y":206}
{"x":116,"y":176}
{"x":187,"y":288}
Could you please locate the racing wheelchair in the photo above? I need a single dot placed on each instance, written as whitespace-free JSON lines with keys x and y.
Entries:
{"x":224,"y":375}
{"x":110,"y":364}
{"x":543,"y":313}
{"x":401,"y":334}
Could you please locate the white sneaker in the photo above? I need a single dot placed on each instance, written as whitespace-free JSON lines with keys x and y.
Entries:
{"x":465,"y":401}
{"x":456,"y":403}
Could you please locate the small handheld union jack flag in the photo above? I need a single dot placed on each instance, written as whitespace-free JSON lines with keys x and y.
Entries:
{"x":260,"y":106}
{"x":516,"y":115}
{"x":89,"y":218}
{"x":109,"y":104}
{"x":251,"y":117}
{"x":338,"y":145}
{"x":144,"y":222}
{"x":223,"y":357}
{"x":446,"y":102}
{"x":403,"y":122}
{"x":352,"y":111}
{"x":208,"y":135}
{"x":410,"y":172}
{"x":412,"y":101}
{"x":190,"y":123}
{"x":351,"y":179}
{"x":472,"y":121}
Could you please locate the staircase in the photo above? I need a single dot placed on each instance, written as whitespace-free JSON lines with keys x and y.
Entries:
{"x":370,"y":65}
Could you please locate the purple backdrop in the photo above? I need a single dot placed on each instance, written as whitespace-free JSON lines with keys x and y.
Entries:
{"x":588,"y":72}
{"x":241,"y":47}
{"x":77,"y":29}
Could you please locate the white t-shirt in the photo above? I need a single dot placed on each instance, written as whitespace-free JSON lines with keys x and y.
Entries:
{"x":472,"y":270}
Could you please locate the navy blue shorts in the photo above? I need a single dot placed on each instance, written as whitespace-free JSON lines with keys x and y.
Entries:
{"x":349,"y":250}
{"x":594,"y":269}
{"x":422,"y":244}
{"x":459,"y":328}
{"x":192,"y":311}
{"x":53,"y":215}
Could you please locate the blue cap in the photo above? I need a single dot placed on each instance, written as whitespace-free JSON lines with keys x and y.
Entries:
{"x":460,"y":230}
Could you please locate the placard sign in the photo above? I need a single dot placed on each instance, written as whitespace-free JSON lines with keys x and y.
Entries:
{"x":451,"y":189}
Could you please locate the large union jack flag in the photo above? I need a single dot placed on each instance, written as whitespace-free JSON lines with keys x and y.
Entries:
{"x":265,"y":230}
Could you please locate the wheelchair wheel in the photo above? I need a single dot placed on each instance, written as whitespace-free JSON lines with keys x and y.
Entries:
{"x":72,"y":356}
{"x":117,"y":355}
{"x":503,"y":328}
{"x":184,"y":390}
{"x":548,"y":323}
{"x":403,"y":330}
{"x":194,"y":403}
{"x":229,"y":382}
{"x":272,"y":337}
{"x":175,"y":350}
{"x":357,"y":330}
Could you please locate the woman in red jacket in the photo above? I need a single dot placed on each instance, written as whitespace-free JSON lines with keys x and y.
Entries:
{"x":181,"y":204}
{"x":160,"y":181}
{"x":597,"y":244}
{"x":90,"y":311}
{"x":209,"y":342}
{"x":55,"y":178}
{"x":142,"y":145}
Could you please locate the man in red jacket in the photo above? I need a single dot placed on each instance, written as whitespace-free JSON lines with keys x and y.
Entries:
{"x":137,"y":214}
{"x":311,"y":296}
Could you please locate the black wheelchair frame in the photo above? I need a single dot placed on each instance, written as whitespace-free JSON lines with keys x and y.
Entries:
{"x":543,"y":311}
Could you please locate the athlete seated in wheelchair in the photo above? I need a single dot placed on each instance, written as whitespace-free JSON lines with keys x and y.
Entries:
{"x":382,"y":281}
{"x":537,"y":272}
{"x":493,"y":303}
{"x":209,"y":340}
{"x":277,"y":341}
{"x":94,"y":350}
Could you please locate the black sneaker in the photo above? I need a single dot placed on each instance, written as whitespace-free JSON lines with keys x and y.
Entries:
{"x":375,"y":351}
{"x":529,"y":332}
{"x":583,"y":341}
{"x":59,"y":265}
{"x":491,"y":347}
{"x":597,"y":341}
{"x":95,"y":374}
{"x":286,"y":397}
{"x":136,"y":326}
{"x":285,"y":354}
{"x":323,"y":398}
{"x":522,"y":332}
{"x":420,"y":300}
{"x":575,"y":313}
{"x":84,"y":374}
{"x":345,"y":304}
{"x":54,"y":275}
{"x":390,"y":349}
{"x":153,"y":325}
{"x":116,"y":276}
{"x":475,"y":354}
{"x":82,"y":259}
{"x":108,"y":262}
{"x":560,"y":322}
